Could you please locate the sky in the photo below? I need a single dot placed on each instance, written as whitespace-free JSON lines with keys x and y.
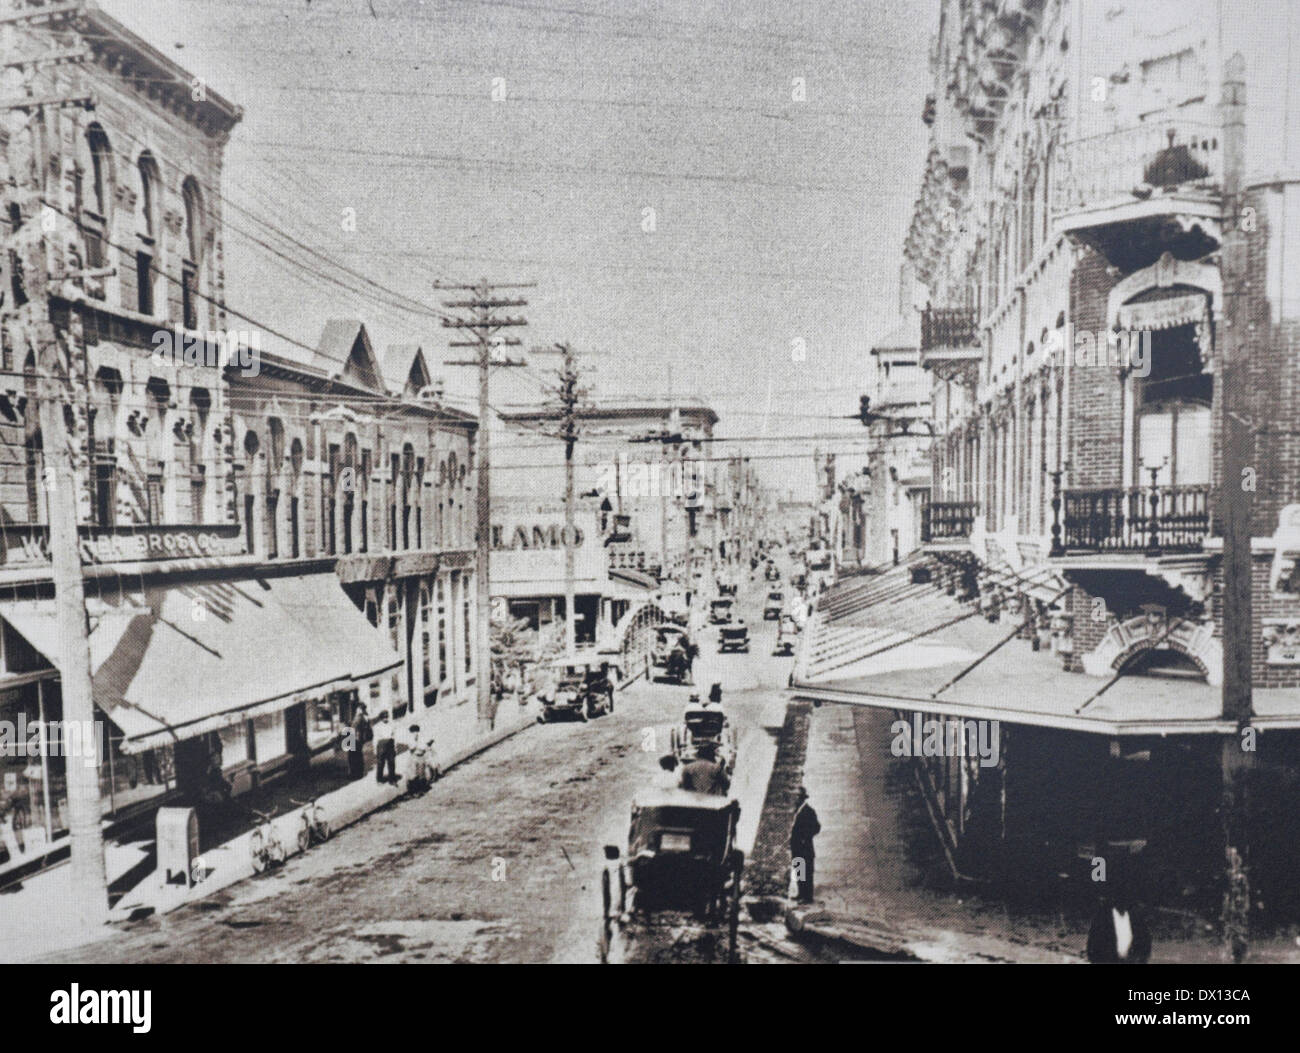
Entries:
{"x":692,"y":185}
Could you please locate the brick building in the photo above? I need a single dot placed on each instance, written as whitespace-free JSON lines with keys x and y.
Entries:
{"x":1065,"y":254}
{"x":265,"y":542}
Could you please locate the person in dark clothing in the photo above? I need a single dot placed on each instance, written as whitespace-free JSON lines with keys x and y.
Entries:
{"x":802,"y":831}
{"x":354,"y":743}
{"x":385,"y":750}
{"x":705,"y":774}
{"x":715,"y":694}
{"x":1119,"y":934}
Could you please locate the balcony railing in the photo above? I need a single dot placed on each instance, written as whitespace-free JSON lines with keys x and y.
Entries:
{"x":1135,"y":164}
{"x":949,"y":327}
{"x":1136,"y":519}
{"x":948,"y":520}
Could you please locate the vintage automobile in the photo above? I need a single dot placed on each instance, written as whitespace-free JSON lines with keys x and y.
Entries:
{"x":720,"y":610}
{"x":786,"y":631}
{"x":773,"y":606}
{"x":667,"y":638}
{"x":704,"y":725}
{"x":681,"y":858}
{"x":733,"y":637}
{"x":727,"y":588}
{"x":771,"y":572}
{"x":583,"y":687}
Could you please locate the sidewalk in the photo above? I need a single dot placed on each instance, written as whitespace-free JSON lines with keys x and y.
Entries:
{"x":868,"y":882}
{"x":31,"y":921}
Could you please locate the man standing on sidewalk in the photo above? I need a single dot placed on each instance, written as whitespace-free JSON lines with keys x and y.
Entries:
{"x":802,"y":831}
{"x":385,"y":749}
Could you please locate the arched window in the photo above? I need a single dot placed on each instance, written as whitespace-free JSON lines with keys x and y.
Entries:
{"x":295,"y":482}
{"x":194,"y":219}
{"x":101,"y":170}
{"x":191,"y":267}
{"x":408,"y":491}
{"x":147,"y":206}
{"x":147,"y":227}
{"x":195,"y":431}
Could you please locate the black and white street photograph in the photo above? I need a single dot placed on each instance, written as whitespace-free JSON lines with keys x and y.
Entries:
{"x":650,"y":482}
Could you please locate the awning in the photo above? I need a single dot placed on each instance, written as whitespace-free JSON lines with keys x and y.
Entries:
{"x":171,"y":663}
{"x":883,"y":656}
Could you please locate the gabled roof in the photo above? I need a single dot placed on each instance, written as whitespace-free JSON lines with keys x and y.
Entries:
{"x":406,"y":370}
{"x":344,"y":350}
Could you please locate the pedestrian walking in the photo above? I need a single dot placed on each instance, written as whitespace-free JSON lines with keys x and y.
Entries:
{"x":385,"y":749}
{"x":802,"y":852}
{"x":354,"y":742}
{"x":1118,"y":934}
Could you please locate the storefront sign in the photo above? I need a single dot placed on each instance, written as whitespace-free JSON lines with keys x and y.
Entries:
{"x":29,"y":546}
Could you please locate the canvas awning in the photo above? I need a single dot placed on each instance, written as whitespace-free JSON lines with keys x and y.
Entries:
{"x":174,"y":662}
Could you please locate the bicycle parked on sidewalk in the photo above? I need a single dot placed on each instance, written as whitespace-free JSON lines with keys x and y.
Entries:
{"x":315,"y":829}
{"x":264,"y":844}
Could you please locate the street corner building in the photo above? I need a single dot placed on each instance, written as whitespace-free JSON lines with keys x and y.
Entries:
{"x":267,"y":542}
{"x":660,"y":515}
{"x":1102,"y":263}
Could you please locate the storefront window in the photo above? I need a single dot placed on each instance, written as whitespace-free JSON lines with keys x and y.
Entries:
{"x":234,"y":744}
{"x":268,"y":738}
{"x":465,"y":591}
{"x":322,"y":724}
{"x":26,"y":821}
{"x":442,"y":630}
{"x":395,"y":635}
{"x":425,"y":604}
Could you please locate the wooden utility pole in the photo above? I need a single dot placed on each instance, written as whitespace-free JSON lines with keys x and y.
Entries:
{"x":29,"y":241}
{"x":1236,"y":493}
{"x":484,"y":327}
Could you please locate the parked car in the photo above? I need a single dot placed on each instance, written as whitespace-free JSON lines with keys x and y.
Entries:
{"x":734,"y":637}
{"x":667,"y":637}
{"x":720,"y":610}
{"x":774,"y":605}
{"x":786,"y":631}
{"x":583,"y":688}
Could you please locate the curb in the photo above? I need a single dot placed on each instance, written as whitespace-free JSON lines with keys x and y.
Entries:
{"x":864,"y":942}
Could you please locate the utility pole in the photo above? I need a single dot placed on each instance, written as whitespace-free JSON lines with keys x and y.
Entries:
{"x":54,"y":391}
{"x":1235,"y":513}
{"x":484,"y":327}
{"x":570,"y":396}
